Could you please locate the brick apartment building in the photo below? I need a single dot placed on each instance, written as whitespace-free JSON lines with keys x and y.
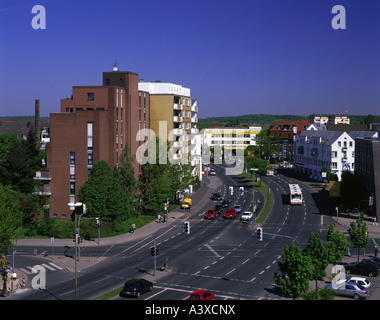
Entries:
{"x":286,"y":130}
{"x":95,"y":124}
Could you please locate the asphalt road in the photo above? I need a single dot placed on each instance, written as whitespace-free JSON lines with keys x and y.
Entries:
{"x":222,"y":256}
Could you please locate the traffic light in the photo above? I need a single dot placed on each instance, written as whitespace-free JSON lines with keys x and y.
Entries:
{"x":77,"y":238}
{"x":371,"y":202}
{"x":153,"y":251}
{"x":231,"y":191}
{"x":187,"y":227}
{"x":242,"y":191}
{"x":259,"y":234}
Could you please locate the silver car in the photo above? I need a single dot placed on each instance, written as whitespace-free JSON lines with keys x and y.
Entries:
{"x":349,"y":289}
{"x":246,"y":216}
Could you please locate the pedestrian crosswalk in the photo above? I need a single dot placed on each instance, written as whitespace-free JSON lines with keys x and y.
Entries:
{"x":48,"y":266}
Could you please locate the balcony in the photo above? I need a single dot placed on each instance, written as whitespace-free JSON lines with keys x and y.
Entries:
{"x":177,"y":119}
{"x":194,"y":119}
{"x":42,"y":175}
{"x":42,"y":191}
{"x":177,"y":131}
{"x":178,"y":106}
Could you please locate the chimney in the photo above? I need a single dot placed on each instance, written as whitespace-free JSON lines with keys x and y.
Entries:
{"x":37,"y":121}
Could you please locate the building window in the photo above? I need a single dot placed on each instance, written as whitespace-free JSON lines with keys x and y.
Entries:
{"x":72,"y":157}
{"x":90,"y":96}
{"x":72,"y":188}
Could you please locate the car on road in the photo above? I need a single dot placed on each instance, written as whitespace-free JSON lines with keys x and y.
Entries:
{"x":246,"y":216}
{"x":219,"y":208}
{"x":349,"y":289}
{"x":202,"y":295}
{"x":135,"y":287}
{"x":237,"y":208}
{"x":216,"y":196}
{"x":230,"y":214}
{"x":224,"y":203}
{"x":363,"y":268}
{"x":212,"y":172}
{"x":211,"y":214}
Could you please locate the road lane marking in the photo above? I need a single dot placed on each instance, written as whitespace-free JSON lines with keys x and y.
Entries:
{"x":212,"y":250}
{"x":230,"y":271}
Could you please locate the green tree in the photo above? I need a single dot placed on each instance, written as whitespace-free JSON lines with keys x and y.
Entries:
{"x":10,"y":217}
{"x":258,"y":163}
{"x":297,"y":269}
{"x":6,"y":142}
{"x":103,"y":195}
{"x":359,"y":233}
{"x":125,"y":172}
{"x":337,"y":245}
{"x":318,"y":254}
{"x":20,"y":163}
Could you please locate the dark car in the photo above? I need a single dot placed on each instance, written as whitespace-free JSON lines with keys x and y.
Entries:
{"x":219,"y":208}
{"x":136,"y":287}
{"x":363,"y":268}
{"x":374,"y":261}
{"x":225,"y":203}
{"x":216,"y":196}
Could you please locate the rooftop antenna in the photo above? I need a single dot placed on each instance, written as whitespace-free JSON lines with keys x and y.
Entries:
{"x":115,"y":68}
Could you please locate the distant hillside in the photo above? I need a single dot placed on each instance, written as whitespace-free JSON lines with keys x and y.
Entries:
{"x":31,"y":118}
{"x":251,"y":118}
{"x":266,"y":119}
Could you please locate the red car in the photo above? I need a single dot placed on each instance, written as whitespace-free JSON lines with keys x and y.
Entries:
{"x":230,"y":214}
{"x":202,"y":295}
{"x":211,"y":214}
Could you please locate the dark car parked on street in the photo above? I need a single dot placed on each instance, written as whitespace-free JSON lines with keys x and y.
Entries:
{"x":363,"y":268}
{"x":136,"y":287}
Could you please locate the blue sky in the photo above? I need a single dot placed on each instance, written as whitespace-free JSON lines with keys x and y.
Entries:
{"x":238,"y":57}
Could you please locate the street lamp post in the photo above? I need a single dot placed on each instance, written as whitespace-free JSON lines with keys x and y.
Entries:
{"x":76,"y":205}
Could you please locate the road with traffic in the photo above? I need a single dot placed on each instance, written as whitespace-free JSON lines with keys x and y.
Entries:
{"x":220,"y":255}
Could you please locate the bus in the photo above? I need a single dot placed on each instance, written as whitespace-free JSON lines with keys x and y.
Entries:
{"x":295,"y":194}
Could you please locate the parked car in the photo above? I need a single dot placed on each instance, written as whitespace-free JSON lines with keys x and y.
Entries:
{"x":363,"y":268}
{"x":246,"y":216}
{"x":230,"y":214}
{"x":374,"y":261}
{"x":362,"y":281}
{"x":225,"y":203}
{"x":136,"y":287}
{"x":216,"y":196}
{"x":349,"y":289}
{"x":212,"y":172}
{"x":237,"y":208}
{"x":202,"y":295}
{"x":211,"y":214}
